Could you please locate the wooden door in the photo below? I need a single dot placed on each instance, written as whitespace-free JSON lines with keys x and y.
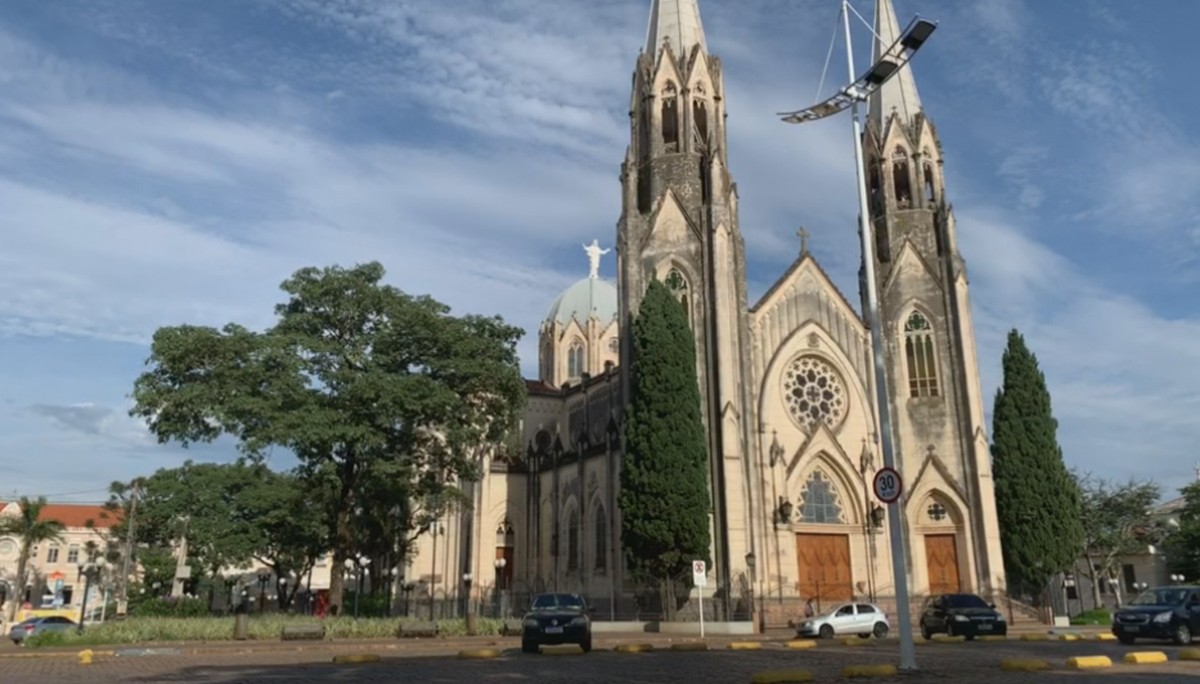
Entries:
{"x":824,"y":564}
{"x":941,"y":558}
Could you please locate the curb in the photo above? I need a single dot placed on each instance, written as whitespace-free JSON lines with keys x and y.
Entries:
{"x":1023,"y":665}
{"x":356,"y":658}
{"x":800,"y":643}
{"x":854,"y":641}
{"x":782,"y":677}
{"x":1088,"y":662}
{"x":565,"y":649}
{"x":690,"y":646}
{"x":480,"y":653}
{"x":857,"y":671}
{"x":633,"y":648}
{"x":1035,"y":637}
{"x":745,"y":646}
{"x":1145,"y":658}
{"x":946,"y":639}
{"x":1189,"y":654}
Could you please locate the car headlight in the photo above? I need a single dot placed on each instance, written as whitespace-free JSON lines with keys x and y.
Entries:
{"x":999,"y":618}
{"x":576,"y":622}
{"x":1163,"y":617}
{"x":531,"y":623}
{"x":961,"y":618}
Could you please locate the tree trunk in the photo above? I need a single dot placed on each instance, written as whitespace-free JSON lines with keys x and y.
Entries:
{"x":18,"y":591}
{"x":343,"y":540}
{"x":1093,"y":577}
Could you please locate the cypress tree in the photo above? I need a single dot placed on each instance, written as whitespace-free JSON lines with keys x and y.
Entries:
{"x":1037,"y":501}
{"x":664,"y":495}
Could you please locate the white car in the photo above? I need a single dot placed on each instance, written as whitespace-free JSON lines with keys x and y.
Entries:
{"x":862,"y":619}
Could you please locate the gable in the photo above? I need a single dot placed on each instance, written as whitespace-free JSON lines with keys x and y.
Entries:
{"x":669,"y":223}
{"x":909,"y":264}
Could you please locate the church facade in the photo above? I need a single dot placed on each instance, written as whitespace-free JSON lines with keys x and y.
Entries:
{"x":786,"y":382}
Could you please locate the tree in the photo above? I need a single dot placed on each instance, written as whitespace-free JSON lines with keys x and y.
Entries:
{"x":1116,"y":522}
{"x":355,"y":374}
{"x":1037,"y":500}
{"x":664,"y":497}
{"x":1183,"y":542}
{"x":31,"y":528}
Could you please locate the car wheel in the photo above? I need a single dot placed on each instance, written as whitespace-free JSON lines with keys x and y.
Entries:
{"x":586,"y":644}
{"x":925,"y":633}
{"x":528,"y":646}
{"x":826,"y":631}
{"x":880,"y":631}
{"x":1182,"y":635}
{"x":1125,"y":639}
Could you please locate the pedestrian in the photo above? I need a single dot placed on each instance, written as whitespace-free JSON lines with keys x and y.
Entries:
{"x":808,"y":608}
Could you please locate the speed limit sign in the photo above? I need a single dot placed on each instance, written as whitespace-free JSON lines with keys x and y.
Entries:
{"x":888,"y":485}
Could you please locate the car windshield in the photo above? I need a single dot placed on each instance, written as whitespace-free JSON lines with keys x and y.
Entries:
{"x":551,"y":601}
{"x":1160,"y":597}
{"x":965,"y":601}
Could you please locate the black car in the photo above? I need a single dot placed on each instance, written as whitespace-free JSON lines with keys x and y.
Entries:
{"x":1161,"y":613}
{"x":557,"y":619}
{"x":964,"y":615}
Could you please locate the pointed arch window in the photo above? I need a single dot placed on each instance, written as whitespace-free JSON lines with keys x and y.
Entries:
{"x":900,"y":180}
{"x":819,"y":501}
{"x":573,"y":538}
{"x":575,"y":360}
{"x":670,"y":119}
{"x":679,"y":287}
{"x":920,"y":356}
{"x":930,"y":187}
{"x":600,"y":529}
{"x":700,"y":119}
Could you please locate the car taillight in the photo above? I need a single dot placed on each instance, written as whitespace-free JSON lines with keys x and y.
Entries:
{"x":29,"y":628}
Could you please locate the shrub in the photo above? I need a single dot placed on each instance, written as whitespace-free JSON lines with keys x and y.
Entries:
{"x":171,"y":607}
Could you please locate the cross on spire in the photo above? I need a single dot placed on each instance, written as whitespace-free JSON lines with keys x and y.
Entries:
{"x":803,"y":234}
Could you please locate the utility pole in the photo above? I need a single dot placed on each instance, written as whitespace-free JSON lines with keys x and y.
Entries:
{"x":123,"y":603}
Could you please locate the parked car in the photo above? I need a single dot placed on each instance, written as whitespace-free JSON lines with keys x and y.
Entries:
{"x":863,"y":619}
{"x":964,"y":615}
{"x":557,"y":619}
{"x":39,"y":625}
{"x":1160,"y":613}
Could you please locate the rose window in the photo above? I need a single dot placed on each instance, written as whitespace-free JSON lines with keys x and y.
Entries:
{"x":814,"y":392}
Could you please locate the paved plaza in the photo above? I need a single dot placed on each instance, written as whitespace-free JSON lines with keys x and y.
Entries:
{"x":437,"y":661}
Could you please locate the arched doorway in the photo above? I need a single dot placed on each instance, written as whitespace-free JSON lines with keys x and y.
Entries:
{"x":823,"y":550}
{"x":939,"y":526}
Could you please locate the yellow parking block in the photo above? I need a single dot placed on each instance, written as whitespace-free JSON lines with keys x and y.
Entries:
{"x":947,"y":639}
{"x":800,"y":643}
{"x":782,"y":677}
{"x":564,"y":649}
{"x":1023,"y":665}
{"x":993,"y":637}
{"x":480,"y":653}
{"x":690,"y":646}
{"x":633,"y":648}
{"x":1189,"y":654}
{"x":853,"y":641}
{"x":745,"y":645}
{"x":1088,"y":662}
{"x":1105,"y":636}
{"x":356,"y":658}
{"x":855,"y":671}
{"x":1068,"y":637}
{"x":1145,"y":657}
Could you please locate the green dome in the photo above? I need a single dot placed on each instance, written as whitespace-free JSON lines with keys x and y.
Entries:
{"x":586,"y":298}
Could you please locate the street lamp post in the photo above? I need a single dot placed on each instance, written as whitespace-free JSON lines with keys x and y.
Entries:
{"x":264,"y":576}
{"x":88,"y":571}
{"x":468,"y":604}
{"x":860,"y":90}
{"x":500,"y":564}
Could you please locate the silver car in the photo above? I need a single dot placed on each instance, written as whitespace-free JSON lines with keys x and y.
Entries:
{"x":862,"y":619}
{"x":39,"y":625}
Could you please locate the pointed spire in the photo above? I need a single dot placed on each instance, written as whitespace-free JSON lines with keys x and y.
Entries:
{"x":676,"y":22}
{"x":899,"y":94}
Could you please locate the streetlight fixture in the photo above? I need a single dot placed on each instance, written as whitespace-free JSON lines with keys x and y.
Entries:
{"x":860,"y":89}
{"x":1177,"y":579}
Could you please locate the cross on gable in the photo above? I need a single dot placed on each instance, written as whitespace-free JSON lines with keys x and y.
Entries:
{"x":803,"y":234}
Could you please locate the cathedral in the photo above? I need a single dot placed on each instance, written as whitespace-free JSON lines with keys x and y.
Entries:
{"x":786,"y":382}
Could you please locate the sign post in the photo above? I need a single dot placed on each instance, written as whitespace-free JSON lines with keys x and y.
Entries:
{"x":700,"y":580}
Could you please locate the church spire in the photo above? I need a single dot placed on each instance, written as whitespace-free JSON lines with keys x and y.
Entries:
{"x":899,"y":94}
{"x":676,"y":22}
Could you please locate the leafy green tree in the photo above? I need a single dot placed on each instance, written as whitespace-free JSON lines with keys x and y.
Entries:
{"x":1116,"y":522}
{"x":353,"y":374}
{"x":664,"y":495}
{"x":31,"y":528}
{"x":1037,"y":499}
{"x":1183,"y":542}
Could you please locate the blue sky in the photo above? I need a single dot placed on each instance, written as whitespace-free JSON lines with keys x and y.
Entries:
{"x":171,"y":162}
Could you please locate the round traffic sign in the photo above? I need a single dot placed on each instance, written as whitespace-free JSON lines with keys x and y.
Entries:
{"x":888,"y":485}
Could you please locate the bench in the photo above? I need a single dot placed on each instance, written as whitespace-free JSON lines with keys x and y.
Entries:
{"x":417,"y":629}
{"x":302,"y":632}
{"x":512,"y":627}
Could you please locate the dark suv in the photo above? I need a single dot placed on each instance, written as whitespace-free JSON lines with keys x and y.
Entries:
{"x":964,"y":615}
{"x":1160,"y":613}
{"x":556,"y":619}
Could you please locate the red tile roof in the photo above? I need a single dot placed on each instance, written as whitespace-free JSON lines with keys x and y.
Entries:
{"x":77,"y":515}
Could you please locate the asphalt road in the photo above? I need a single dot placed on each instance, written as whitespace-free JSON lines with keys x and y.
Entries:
{"x":977,"y":663}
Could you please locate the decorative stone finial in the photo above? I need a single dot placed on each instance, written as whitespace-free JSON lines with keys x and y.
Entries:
{"x":803,"y":234}
{"x":594,"y":253}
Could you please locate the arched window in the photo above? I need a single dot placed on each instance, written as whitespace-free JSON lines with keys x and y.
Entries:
{"x":573,"y":538}
{"x":679,"y":287}
{"x":819,"y":500}
{"x":900,"y":181}
{"x":600,"y":529}
{"x":700,"y":118}
{"x":575,"y":365}
{"x":670,"y":119}
{"x":930,"y":195}
{"x":922,"y":360}
{"x":505,"y":541}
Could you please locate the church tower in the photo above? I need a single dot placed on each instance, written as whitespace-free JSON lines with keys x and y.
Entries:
{"x":679,"y":224}
{"x":925,"y":316}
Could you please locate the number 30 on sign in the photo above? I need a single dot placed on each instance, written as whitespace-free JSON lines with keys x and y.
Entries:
{"x":888,"y":485}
